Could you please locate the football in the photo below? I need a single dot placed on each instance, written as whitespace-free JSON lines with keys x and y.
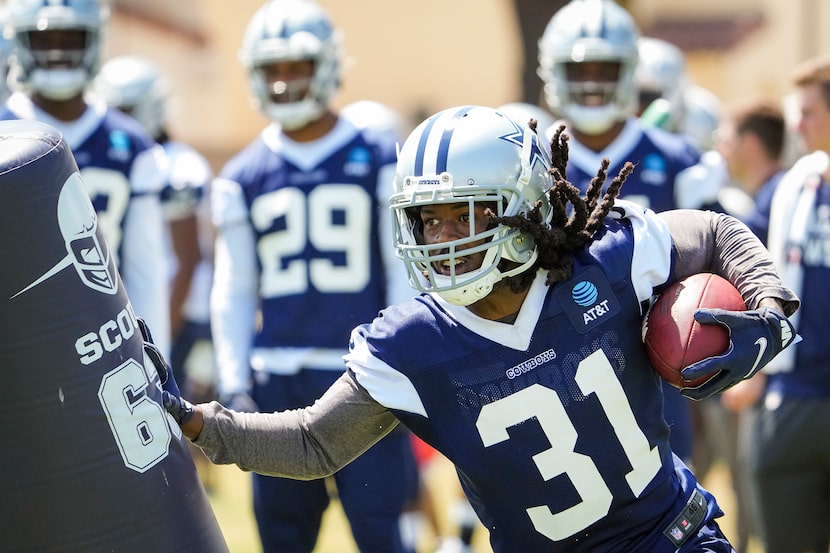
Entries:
{"x":674,"y":339}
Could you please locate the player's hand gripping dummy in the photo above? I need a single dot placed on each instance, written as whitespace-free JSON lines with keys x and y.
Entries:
{"x":178,"y":407}
{"x":755,"y":337}
{"x":90,"y":459}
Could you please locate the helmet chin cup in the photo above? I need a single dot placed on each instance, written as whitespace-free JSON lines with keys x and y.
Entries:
{"x":58,"y":84}
{"x":294,"y":115}
{"x":470,"y":293}
{"x":593,"y":120}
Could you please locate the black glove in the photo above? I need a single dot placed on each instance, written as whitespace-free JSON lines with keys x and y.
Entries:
{"x":755,"y":337}
{"x":165,"y":372}
{"x":240,"y":402}
{"x":179,"y":408}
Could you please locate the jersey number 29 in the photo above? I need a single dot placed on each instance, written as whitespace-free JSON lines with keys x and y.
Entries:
{"x":333,"y":219}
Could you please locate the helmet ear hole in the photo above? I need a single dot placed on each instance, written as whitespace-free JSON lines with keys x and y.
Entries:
{"x":492,"y":164}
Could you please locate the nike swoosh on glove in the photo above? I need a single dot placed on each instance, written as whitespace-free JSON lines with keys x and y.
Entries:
{"x":755,"y":337}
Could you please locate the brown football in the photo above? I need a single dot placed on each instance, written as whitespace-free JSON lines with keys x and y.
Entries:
{"x":674,"y":339}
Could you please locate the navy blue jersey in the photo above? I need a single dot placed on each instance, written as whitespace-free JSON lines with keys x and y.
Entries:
{"x":106,"y":157}
{"x":758,"y":219}
{"x":554,"y":423}
{"x":665,"y":176}
{"x":809,"y":375}
{"x":316,"y":225}
{"x":799,"y":241}
{"x":658,"y":156}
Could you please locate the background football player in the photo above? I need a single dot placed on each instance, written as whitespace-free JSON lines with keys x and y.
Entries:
{"x":588,"y":56}
{"x":137,"y":86}
{"x":303,"y":254}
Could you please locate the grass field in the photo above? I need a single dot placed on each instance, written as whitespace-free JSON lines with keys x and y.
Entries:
{"x":231,"y":501}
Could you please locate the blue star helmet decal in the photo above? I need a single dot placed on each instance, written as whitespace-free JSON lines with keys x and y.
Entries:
{"x":517,"y":137}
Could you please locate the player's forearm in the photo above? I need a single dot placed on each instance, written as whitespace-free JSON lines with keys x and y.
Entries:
{"x":304,"y":444}
{"x":713,"y":242}
{"x":193,"y":427}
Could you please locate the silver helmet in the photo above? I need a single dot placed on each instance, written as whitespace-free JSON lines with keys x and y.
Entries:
{"x":135,"y":85}
{"x":58,"y":74}
{"x":292,"y":30}
{"x":661,"y":74}
{"x":589,"y":31}
{"x":469,"y":154}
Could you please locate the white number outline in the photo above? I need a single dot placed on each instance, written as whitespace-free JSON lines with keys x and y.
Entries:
{"x":116,"y":188}
{"x":594,"y":375}
{"x":309,"y":220}
{"x":140,"y":426}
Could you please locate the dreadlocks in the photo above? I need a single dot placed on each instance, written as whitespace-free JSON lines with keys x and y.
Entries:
{"x":567,"y":232}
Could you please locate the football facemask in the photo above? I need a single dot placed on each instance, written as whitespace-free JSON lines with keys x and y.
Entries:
{"x":292,"y":30}
{"x":589,"y":31}
{"x":478,"y":156}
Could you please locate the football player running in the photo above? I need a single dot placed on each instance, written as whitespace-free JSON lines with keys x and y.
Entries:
{"x":522,"y":360}
{"x":55,"y":56}
{"x":303,"y":254}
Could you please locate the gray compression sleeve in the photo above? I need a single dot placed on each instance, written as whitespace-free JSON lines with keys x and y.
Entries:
{"x":304,"y":443}
{"x":706,"y":241}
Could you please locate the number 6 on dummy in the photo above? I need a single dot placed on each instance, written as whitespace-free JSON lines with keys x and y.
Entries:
{"x":90,"y":460}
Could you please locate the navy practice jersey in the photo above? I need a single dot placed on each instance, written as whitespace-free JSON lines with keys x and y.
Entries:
{"x":809,"y":377}
{"x":122,"y":171}
{"x":658,"y":158}
{"x":315,"y":212}
{"x":799,"y":241}
{"x":554,"y":423}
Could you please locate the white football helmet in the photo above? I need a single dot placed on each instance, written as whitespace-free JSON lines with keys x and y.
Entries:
{"x":589,"y":31}
{"x":34,"y":70}
{"x":292,"y":30}
{"x":701,"y":116}
{"x":469,"y":154}
{"x":136,"y":86}
{"x":661,"y":73}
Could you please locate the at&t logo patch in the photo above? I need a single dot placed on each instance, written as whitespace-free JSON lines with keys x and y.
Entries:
{"x":587,"y":299}
{"x":585,"y":293}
